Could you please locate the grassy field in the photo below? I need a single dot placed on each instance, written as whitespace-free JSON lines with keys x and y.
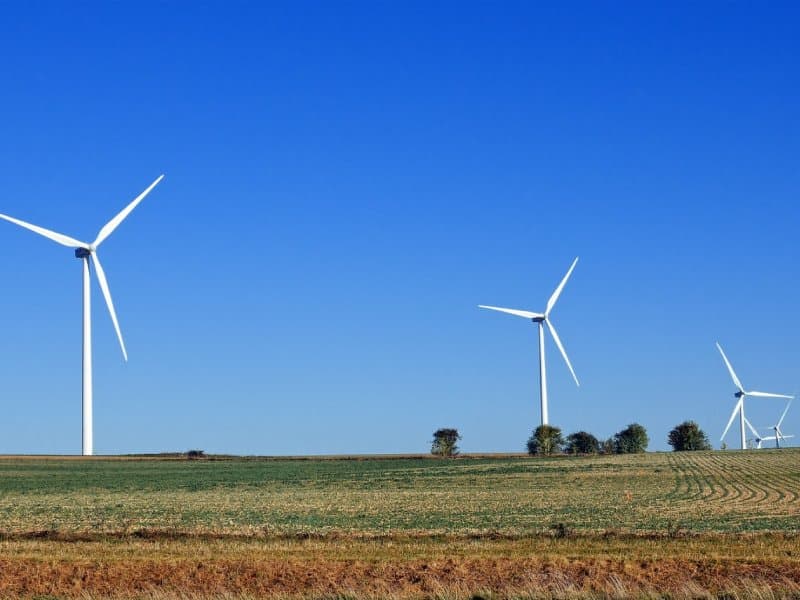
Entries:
{"x":714,"y":491}
{"x":693,"y":525}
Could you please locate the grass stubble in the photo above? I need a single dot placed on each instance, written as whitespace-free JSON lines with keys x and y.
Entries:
{"x":700,"y":525}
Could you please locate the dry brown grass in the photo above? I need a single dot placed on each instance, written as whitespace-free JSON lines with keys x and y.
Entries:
{"x":402,"y":566}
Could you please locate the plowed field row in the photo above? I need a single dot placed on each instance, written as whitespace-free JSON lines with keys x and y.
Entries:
{"x":702,"y":491}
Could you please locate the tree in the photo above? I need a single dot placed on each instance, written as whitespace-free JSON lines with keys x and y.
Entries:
{"x":631,"y":440}
{"x":607,"y":446}
{"x":545,"y":440}
{"x":582,"y":442}
{"x":444,"y":442}
{"x":688,"y":436}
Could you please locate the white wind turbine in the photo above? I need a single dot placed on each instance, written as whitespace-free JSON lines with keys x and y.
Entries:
{"x":739,"y":407}
{"x":779,"y":436}
{"x":86,"y":251}
{"x":540,"y":319}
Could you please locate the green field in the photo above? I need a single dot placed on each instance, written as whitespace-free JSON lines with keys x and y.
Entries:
{"x":689,"y":525}
{"x":698,"y":492}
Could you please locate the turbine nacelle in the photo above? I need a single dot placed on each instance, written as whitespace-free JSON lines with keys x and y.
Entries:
{"x":83,"y":252}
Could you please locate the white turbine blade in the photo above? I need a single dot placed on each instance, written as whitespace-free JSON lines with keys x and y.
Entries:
{"x":752,"y":429}
{"x":766,"y":395}
{"x":730,"y":421}
{"x":561,"y":348}
{"x":512,"y":311}
{"x":730,"y":369}
{"x":60,"y":238}
{"x":109,"y":227}
{"x":785,"y":410}
{"x":551,"y":303}
{"x":101,"y":277}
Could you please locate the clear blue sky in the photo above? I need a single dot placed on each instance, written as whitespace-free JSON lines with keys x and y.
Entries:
{"x":346,"y":181}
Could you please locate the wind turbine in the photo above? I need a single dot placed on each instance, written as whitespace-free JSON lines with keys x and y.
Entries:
{"x":739,"y":407}
{"x":541,"y":319}
{"x":85,"y":252}
{"x":778,"y":437}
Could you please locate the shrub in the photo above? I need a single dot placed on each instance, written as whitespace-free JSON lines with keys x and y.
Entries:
{"x":688,"y":436}
{"x":582,"y":442}
{"x":444,"y":442}
{"x":545,"y":440}
{"x":631,"y":440}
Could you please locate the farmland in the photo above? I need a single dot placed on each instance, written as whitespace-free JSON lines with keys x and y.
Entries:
{"x":692,"y":524}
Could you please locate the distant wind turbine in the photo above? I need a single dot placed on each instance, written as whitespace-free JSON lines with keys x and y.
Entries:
{"x":779,"y":436}
{"x":86,"y":251}
{"x":739,"y":407}
{"x":540,"y":319}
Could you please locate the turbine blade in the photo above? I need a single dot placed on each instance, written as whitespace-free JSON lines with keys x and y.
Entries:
{"x":730,"y":421}
{"x":730,"y":369}
{"x":785,"y":410}
{"x":766,"y":395}
{"x":512,"y":311}
{"x":552,"y":302}
{"x":60,"y":238}
{"x":752,"y":429}
{"x":109,"y":227}
{"x":561,"y":348}
{"x":101,"y":277}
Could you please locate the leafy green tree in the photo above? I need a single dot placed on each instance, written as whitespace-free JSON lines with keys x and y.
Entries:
{"x":582,"y":442}
{"x":631,"y":440}
{"x":545,"y":440}
{"x":444,"y":442}
{"x":607,"y":446}
{"x":688,"y":436}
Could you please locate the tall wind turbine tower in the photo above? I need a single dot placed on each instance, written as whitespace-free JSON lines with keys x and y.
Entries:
{"x":88,"y":255}
{"x":542,"y":319}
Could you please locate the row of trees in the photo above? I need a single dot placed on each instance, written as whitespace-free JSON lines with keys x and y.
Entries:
{"x":547,"y":440}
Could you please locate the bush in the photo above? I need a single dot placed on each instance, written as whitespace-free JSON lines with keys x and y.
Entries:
{"x":444,"y":442}
{"x":582,"y":442}
{"x":195,"y":454}
{"x":688,"y":436}
{"x":545,"y":440}
{"x":631,"y":440}
{"x":561,"y":530}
